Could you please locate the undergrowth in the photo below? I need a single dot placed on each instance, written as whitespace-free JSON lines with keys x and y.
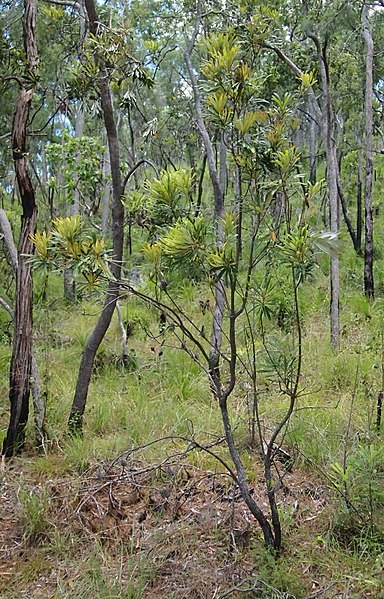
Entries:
{"x":331,"y":437}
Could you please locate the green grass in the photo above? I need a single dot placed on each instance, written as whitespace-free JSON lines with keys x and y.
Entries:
{"x":166,"y":394}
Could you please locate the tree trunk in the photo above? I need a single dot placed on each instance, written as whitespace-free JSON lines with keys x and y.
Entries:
{"x":324,"y":117}
{"x":359,"y":194}
{"x":312,"y":147}
{"x":344,"y":208}
{"x":69,"y":281}
{"x":368,"y":248}
{"x":21,"y":361}
{"x":96,"y":337}
{"x":218,"y":192}
{"x":106,"y":196}
{"x":200,"y":186}
{"x":332,"y":180}
{"x":37,"y":398}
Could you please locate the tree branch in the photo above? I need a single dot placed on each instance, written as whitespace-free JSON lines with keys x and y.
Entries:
{"x":298,"y":72}
{"x":65,"y":3}
{"x":10,"y":246}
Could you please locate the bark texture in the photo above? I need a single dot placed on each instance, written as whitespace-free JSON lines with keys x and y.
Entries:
{"x":37,"y":396}
{"x":96,"y":337}
{"x":21,"y":361}
{"x":332,"y":183}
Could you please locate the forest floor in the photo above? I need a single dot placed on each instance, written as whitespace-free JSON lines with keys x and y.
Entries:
{"x":167,"y":529}
{"x":130,"y":511}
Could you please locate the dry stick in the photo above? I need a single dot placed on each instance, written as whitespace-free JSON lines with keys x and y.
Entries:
{"x":134,"y":169}
{"x":67,"y":3}
{"x":255,"y":585}
{"x":7,"y":308}
{"x":193,"y":444}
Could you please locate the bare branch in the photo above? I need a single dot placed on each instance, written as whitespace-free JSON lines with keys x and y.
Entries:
{"x":298,"y":72}
{"x":7,"y":308}
{"x":66,"y":3}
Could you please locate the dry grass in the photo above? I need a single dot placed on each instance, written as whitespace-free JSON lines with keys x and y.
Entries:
{"x":151,"y":530}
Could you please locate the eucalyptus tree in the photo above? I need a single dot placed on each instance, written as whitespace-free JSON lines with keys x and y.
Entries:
{"x":21,"y":361}
{"x":368,"y":112}
{"x":90,"y":349}
{"x":108,"y":58}
{"x":37,"y":107}
{"x":315,"y":27}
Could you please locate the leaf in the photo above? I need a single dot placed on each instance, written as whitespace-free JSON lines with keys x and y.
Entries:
{"x":307,"y":79}
{"x":246,"y":121}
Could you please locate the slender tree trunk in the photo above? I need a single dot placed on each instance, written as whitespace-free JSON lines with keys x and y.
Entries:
{"x":21,"y":361}
{"x":96,"y":337}
{"x":332,"y":180}
{"x":312,"y":147}
{"x":124,"y":348}
{"x":218,"y":192}
{"x":106,"y":195}
{"x":368,"y":248}
{"x":344,"y":208}
{"x":209,"y":150}
{"x":69,"y":281}
{"x":223,"y":164}
{"x":239,"y":209}
{"x":359,"y":194}
{"x":200,"y":186}
{"x":324,"y":117}
{"x":37,"y":398}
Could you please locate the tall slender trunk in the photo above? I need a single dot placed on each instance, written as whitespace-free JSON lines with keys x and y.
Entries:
{"x":21,"y":361}
{"x":332,"y":180}
{"x":218,"y":192}
{"x":368,"y":247}
{"x":325,"y":117}
{"x":344,"y":207}
{"x":200,"y":186}
{"x":359,"y":194}
{"x":312,"y":147}
{"x":37,"y":397}
{"x":223,"y":163}
{"x":96,"y":337}
{"x":106,"y":195}
{"x":69,"y":281}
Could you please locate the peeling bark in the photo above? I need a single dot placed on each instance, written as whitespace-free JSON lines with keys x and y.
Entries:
{"x":21,"y":361}
{"x":37,"y":397}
